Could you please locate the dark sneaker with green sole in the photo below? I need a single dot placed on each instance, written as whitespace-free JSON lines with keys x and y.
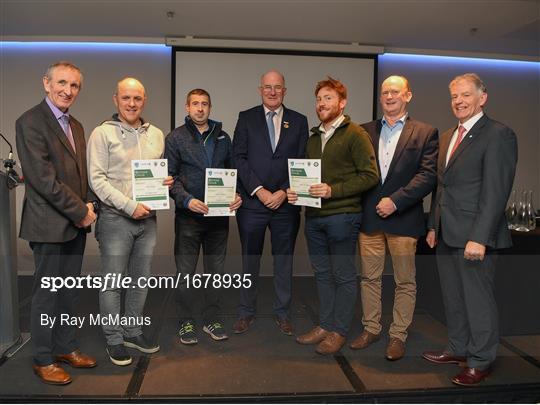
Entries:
{"x":187,"y":333}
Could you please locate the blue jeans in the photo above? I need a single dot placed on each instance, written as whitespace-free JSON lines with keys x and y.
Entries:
{"x":332,"y":244}
{"x":126,"y":246}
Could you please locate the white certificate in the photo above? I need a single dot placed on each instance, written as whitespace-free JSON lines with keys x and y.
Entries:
{"x":220,"y":191}
{"x":302,"y":174}
{"x":147,"y":178}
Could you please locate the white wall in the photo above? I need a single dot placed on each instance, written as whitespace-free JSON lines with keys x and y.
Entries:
{"x":236,"y":87}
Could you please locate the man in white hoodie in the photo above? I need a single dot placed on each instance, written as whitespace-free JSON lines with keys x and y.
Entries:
{"x":126,"y":229}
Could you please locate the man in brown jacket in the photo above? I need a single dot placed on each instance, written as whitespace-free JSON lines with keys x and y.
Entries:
{"x":56,"y":213}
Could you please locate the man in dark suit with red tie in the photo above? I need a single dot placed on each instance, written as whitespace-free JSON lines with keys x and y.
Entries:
{"x":265,"y":137}
{"x":476,"y":167}
{"x":393,"y":214}
{"x":57,"y":209}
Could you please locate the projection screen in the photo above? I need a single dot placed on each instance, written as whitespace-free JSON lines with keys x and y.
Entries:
{"x":232,"y":79}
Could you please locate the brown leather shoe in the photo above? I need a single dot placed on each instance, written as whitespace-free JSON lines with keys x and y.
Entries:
{"x":314,"y":336}
{"x":331,"y":344}
{"x":243,"y":324}
{"x":285,"y":326}
{"x":395,"y":349}
{"x":364,"y":340}
{"x":77,"y":359}
{"x":52,"y":374}
{"x":442,"y":357}
{"x":469,"y":377}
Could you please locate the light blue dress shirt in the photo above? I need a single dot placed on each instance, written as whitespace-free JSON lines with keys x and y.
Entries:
{"x":388,"y":142}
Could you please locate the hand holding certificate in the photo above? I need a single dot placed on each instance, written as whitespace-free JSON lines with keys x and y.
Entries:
{"x":302,"y":174}
{"x":220,"y":191}
{"x":147,"y":179}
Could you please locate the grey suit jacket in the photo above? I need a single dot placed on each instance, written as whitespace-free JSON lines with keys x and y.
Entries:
{"x":55,"y":177}
{"x":473,"y":188}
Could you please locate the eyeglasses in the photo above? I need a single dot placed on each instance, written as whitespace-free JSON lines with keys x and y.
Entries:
{"x":268,"y":89}
{"x":386,"y":93}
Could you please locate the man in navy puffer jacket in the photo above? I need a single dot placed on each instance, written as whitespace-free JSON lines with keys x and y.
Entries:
{"x":190,"y":149}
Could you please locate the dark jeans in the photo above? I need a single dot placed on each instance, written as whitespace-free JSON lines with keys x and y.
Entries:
{"x":332,"y":244}
{"x":190,"y":234}
{"x":54,"y":260}
{"x":283,"y":225}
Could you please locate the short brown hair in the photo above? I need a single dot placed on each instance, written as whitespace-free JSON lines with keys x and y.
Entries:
{"x":334,"y":85}
{"x":198,"y":92}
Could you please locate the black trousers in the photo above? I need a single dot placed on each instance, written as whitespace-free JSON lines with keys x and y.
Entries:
{"x":192,"y":233}
{"x":54,"y":260}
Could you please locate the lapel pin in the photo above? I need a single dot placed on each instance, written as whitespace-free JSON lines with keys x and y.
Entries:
{"x":285,"y":124}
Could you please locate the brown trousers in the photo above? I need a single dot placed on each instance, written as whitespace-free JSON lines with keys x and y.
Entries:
{"x":372,"y":253}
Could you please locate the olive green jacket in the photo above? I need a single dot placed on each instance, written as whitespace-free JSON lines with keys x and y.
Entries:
{"x":348,"y":165}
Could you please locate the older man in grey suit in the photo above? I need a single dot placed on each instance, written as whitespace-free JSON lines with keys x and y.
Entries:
{"x":476,"y":167}
{"x":56,"y":213}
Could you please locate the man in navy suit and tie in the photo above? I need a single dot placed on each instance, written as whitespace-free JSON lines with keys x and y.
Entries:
{"x":265,"y":137}
{"x":406,"y":151}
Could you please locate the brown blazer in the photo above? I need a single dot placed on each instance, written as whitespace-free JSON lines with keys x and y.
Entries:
{"x":55,"y":177}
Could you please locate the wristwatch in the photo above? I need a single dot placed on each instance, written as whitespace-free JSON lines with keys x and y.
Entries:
{"x":96,"y":205}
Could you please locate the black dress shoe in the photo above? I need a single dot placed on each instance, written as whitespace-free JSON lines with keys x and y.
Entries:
{"x":469,"y":377}
{"x":442,"y":357}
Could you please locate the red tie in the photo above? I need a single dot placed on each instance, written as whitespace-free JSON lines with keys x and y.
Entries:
{"x":461,"y":132}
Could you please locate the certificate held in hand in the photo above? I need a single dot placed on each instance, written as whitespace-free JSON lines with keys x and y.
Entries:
{"x":302,"y":174}
{"x":219,"y":191}
{"x":147,"y":179}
